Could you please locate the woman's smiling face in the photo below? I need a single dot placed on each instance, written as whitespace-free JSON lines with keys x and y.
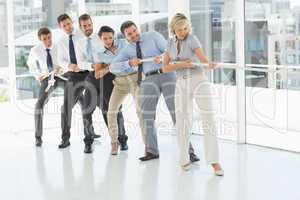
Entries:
{"x":182,"y":30}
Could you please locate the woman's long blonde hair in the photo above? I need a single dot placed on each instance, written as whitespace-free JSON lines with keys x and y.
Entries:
{"x":179,"y":19}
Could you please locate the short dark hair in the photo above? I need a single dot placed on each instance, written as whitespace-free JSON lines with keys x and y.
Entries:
{"x":84,"y":17}
{"x":127,"y":24}
{"x":63,"y":17}
{"x":105,"y":29}
{"x":43,"y":31}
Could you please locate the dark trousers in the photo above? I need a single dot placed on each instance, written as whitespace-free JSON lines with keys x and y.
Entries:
{"x":97,"y":93}
{"x":41,"y":102}
{"x":73,"y":94}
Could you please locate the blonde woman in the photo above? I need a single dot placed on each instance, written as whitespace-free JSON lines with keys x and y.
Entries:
{"x":183,"y":49}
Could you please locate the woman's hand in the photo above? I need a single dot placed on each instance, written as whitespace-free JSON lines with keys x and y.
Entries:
{"x":187,"y":64}
{"x":212,"y":65}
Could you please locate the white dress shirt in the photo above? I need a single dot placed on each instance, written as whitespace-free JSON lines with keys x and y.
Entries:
{"x":63,"y":51}
{"x":81,"y":46}
{"x":37,"y":59}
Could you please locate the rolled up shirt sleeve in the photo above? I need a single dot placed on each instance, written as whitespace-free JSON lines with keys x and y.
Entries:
{"x":120,"y":64}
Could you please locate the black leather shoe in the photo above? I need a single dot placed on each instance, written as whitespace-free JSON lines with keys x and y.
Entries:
{"x":124,"y":147}
{"x":194,"y":158}
{"x":88,"y":148}
{"x":64,"y":144}
{"x":38,"y":141}
{"x":149,"y":156}
{"x":95,"y":136}
{"x":123,"y":142}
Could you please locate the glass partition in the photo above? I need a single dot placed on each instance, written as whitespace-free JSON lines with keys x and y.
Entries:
{"x":214,"y":24}
{"x":272,"y":46}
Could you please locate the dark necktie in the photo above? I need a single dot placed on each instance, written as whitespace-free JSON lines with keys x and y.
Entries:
{"x":72,"y":54}
{"x":139,"y":56}
{"x":49,"y":60}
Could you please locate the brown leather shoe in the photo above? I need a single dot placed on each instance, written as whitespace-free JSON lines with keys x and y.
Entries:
{"x":149,"y":156}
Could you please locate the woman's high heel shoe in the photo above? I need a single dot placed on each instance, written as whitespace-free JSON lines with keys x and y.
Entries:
{"x":114,"y":148}
{"x":219,"y":173}
{"x":218,"y":170}
{"x":186,"y":167}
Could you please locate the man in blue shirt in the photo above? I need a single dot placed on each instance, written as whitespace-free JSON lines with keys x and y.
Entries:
{"x":125,"y":83}
{"x":99,"y":82}
{"x":143,"y":54}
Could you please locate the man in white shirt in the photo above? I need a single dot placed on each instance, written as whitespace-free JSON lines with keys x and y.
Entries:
{"x":69,"y":57}
{"x":41,"y":61}
{"x":98,"y":90}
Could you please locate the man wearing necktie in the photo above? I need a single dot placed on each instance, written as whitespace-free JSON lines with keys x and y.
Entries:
{"x":97,"y":90}
{"x":41,"y":62}
{"x":72,"y":53}
{"x":150,"y":46}
{"x":69,"y":58}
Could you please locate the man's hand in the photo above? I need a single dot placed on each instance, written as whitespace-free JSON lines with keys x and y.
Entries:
{"x":101,"y":69}
{"x":101,"y":72}
{"x":58,"y":71}
{"x":41,"y":77}
{"x":98,"y":66}
{"x":134,"y":62}
{"x":157,"y":60}
{"x":73,"y":67}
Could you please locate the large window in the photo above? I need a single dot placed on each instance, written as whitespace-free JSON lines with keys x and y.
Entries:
{"x":4,"y":78}
{"x":154,"y":16}
{"x":214,"y":24}
{"x":272,"y":43}
{"x":107,"y":7}
{"x":29,"y":16}
{"x":110,"y":13}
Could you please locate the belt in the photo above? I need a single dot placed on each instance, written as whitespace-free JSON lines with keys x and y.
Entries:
{"x":127,"y":74}
{"x":158,"y":71}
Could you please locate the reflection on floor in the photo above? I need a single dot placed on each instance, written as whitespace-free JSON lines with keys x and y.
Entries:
{"x":251,"y":173}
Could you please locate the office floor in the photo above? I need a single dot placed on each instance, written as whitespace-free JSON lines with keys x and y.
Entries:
{"x":47,"y":173}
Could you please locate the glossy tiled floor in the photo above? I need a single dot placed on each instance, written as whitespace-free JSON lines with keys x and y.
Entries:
{"x":251,"y":173}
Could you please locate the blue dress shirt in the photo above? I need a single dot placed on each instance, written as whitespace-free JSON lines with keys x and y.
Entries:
{"x":152,"y":44}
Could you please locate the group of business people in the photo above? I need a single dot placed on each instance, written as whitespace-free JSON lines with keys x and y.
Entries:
{"x":102,"y":70}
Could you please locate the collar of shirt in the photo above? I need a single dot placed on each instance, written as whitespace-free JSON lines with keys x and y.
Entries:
{"x":107,"y":51}
{"x":96,"y":42}
{"x":45,"y":48}
{"x":92,"y":37}
{"x":75,"y":33}
{"x":117,"y":44}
